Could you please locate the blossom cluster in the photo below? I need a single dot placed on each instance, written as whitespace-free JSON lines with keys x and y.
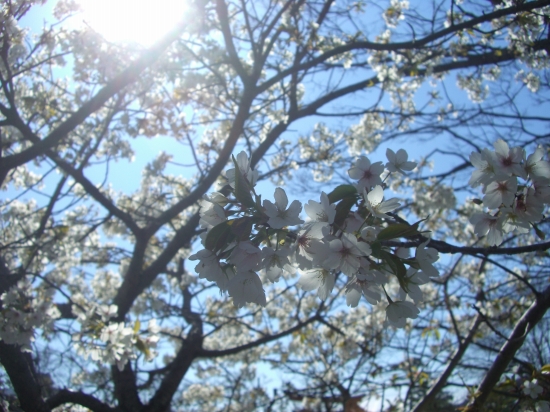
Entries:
{"x":346,"y":234}
{"x":112,"y":342}
{"x":513,"y":205}
{"x":22,"y":313}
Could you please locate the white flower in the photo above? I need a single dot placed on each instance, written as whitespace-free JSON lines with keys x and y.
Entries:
{"x":246,"y":287}
{"x":318,"y":278}
{"x":209,"y":268}
{"x":508,"y":161}
{"x":276,"y":262}
{"x":397,"y":313}
{"x":538,"y":169}
{"x":375,"y":205}
{"x":250,"y":175}
{"x":413,"y":279}
{"x":279,"y":215}
{"x":425,"y":258}
{"x":344,"y":254}
{"x":366,"y":284}
{"x":397,"y":162}
{"x":532,"y":388}
{"x":309,"y":245}
{"x":528,"y":206}
{"x":212,"y":214}
{"x":368,"y":174}
{"x":321,"y":212}
{"x":246,"y":256}
{"x":512,"y":220}
{"x":369,"y":233}
{"x":353,"y":294}
{"x":543,"y":406}
{"x":485,"y":172}
{"x":485,"y":224}
{"x":500,"y":192}
{"x":107,"y":312}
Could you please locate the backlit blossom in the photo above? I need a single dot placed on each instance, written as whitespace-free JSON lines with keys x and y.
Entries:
{"x":537,"y":168}
{"x":279,"y":215}
{"x":500,"y":192}
{"x":399,"y":311}
{"x":532,"y":388}
{"x":368,"y":174}
{"x":275,"y":262}
{"x":486,"y":224}
{"x":344,"y":254}
{"x":485,"y":172}
{"x":508,"y":161}
{"x":246,"y":287}
{"x":375,"y":205}
{"x":321,"y":212}
{"x":426,"y":257}
{"x":250,"y":175}
{"x":397,"y":162}
{"x":318,"y":278}
{"x":246,"y":256}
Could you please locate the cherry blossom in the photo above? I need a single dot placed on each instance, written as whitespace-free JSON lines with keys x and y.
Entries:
{"x":251,"y":175}
{"x":425,"y":258}
{"x":500,"y":192}
{"x":246,"y":287}
{"x":317,"y":278}
{"x":321,"y":212}
{"x":209,"y":267}
{"x":275,"y":262}
{"x":537,"y":168}
{"x":399,"y":311}
{"x":508,"y":161}
{"x":485,"y":171}
{"x":368,"y":174}
{"x":486,"y":224}
{"x":344,"y":254}
{"x":279,"y":215}
{"x":376,"y":206}
{"x":532,"y":388}
{"x":246,"y":256}
{"x":397,"y":162}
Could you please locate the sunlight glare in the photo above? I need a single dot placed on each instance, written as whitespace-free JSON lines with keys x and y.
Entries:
{"x":140,"y":21}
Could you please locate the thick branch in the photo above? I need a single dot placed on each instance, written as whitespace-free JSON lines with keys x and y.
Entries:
{"x":126,"y":391}
{"x":527,"y":322}
{"x":65,"y":396}
{"x":444,"y":247}
{"x":20,"y":368}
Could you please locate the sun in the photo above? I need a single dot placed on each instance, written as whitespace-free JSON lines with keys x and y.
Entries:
{"x":139,"y":21}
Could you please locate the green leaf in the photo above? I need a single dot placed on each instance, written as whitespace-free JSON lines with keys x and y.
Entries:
{"x":242,"y":189}
{"x":376,"y":248}
{"x":545,"y":369}
{"x":341,"y":192}
{"x":142,"y":347}
{"x":397,"y":267}
{"x":242,"y":227}
{"x":342,"y":210}
{"x":137,"y":325}
{"x":220,"y":236}
{"x":398,"y":230}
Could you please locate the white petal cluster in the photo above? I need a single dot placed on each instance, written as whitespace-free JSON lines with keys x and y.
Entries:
{"x":513,"y":205}
{"x":246,"y":244}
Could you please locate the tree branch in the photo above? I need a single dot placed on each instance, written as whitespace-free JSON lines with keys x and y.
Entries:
{"x":527,"y":322}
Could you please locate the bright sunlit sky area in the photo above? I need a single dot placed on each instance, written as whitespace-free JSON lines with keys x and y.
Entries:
{"x":140,"y":21}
